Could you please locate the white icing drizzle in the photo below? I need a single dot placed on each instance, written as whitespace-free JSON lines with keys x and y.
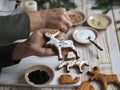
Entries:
{"x":60,"y":44}
{"x":70,"y":55}
{"x":82,"y":35}
{"x":72,"y":63}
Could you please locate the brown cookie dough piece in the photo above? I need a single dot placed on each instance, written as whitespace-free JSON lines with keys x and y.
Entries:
{"x":67,"y":79}
{"x":85,"y":86}
{"x":105,"y":79}
{"x":53,"y":31}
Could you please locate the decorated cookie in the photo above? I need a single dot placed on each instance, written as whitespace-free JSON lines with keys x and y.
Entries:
{"x":60,"y":44}
{"x":70,"y":56}
{"x":105,"y":79}
{"x":73,"y":63}
{"x":67,"y":79}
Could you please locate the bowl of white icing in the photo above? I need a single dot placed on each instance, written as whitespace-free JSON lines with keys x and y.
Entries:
{"x":81,"y":34}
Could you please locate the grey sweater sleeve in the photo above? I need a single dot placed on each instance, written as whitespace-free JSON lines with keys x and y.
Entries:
{"x":14,"y":27}
{"x":6,"y":55}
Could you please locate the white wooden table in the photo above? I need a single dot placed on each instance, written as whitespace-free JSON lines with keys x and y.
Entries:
{"x":108,"y":60}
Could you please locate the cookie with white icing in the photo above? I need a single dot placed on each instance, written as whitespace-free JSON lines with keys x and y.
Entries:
{"x":60,"y":44}
{"x":70,"y":56}
{"x":69,"y":64}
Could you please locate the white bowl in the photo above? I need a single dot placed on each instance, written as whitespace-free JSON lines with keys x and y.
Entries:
{"x":100,"y":19}
{"x":81,"y":34}
{"x":79,"y":14}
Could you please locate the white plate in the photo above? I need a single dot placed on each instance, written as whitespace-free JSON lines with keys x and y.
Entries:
{"x":81,"y":34}
{"x":99,"y":16}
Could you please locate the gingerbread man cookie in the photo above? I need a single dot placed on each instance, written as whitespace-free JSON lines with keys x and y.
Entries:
{"x":105,"y":79}
{"x":60,"y":44}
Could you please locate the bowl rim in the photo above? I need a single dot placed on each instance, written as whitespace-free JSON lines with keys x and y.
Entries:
{"x":80,"y":13}
{"x":82,"y":28}
{"x":37,"y":67}
{"x":102,"y":15}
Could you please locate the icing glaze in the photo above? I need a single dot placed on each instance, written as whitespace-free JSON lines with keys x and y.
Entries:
{"x":82,"y":35}
{"x":73,"y":63}
{"x":59,"y":44}
{"x":70,"y":55}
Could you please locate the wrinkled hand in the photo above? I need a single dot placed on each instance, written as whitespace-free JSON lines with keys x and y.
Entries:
{"x":50,"y":18}
{"x":33,"y":46}
{"x":56,"y":18}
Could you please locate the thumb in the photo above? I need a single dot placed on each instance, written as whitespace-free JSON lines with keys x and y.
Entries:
{"x":45,"y":52}
{"x":43,"y":31}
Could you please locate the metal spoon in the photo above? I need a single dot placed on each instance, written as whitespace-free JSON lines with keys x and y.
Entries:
{"x":95,"y":44}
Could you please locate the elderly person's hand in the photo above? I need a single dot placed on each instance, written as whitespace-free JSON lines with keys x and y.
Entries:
{"x":56,"y":18}
{"x":33,"y":46}
{"x":50,"y":18}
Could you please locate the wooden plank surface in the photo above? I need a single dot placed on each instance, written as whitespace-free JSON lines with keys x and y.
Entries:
{"x":107,"y":60}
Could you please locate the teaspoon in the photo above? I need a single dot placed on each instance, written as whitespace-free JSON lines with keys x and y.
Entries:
{"x":95,"y":44}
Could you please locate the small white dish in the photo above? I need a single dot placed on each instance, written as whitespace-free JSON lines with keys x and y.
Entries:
{"x":77,"y":17}
{"x":81,"y":34}
{"x":99,"y":21}
{"x":45,"y":68}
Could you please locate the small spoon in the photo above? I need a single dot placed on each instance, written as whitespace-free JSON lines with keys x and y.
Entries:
{"x":95,"y":44}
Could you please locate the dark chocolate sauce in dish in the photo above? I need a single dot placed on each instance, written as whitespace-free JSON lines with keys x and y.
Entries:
{"x":38,"y":77}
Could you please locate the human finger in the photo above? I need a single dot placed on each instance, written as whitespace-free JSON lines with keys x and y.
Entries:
{"x":46,"y":52}
{"x":65,"y":51}
{"x":62,"y":27}
{"x":43,"y":31}
{"x":66,"y":21}
{"x":59,"y":10}
{"x":67,"y":16}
